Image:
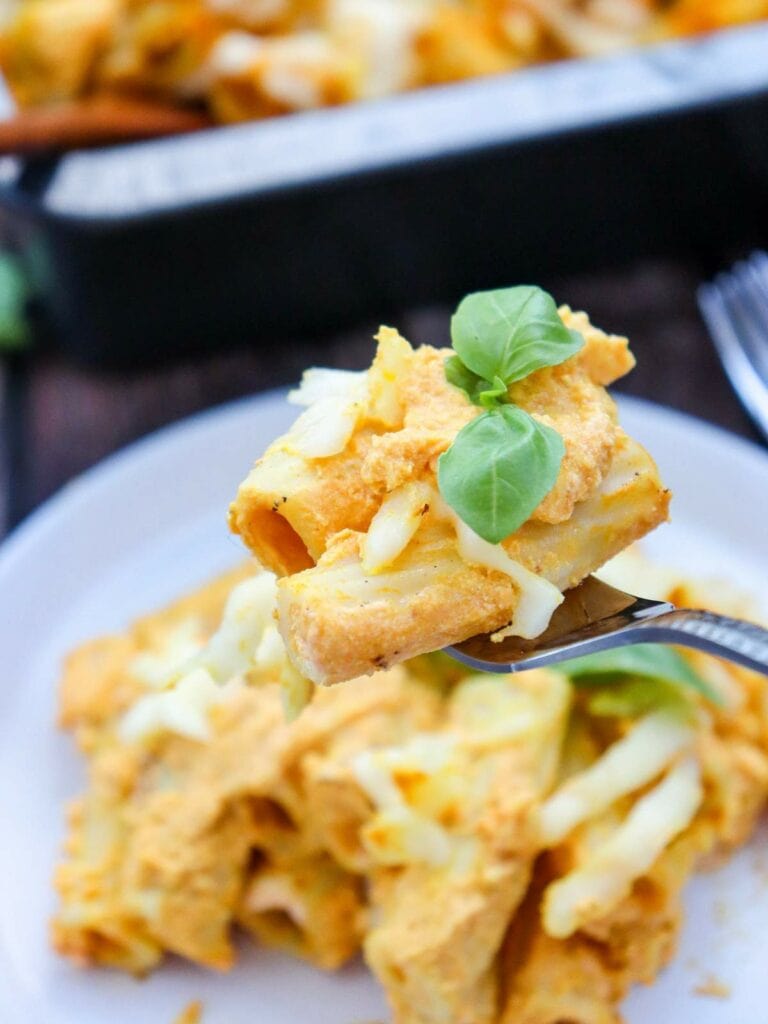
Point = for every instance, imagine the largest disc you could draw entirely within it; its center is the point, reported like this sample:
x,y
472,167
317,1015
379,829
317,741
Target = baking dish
x,y
316,220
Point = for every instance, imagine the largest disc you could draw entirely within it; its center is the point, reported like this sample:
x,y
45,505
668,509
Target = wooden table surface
x,y
59,419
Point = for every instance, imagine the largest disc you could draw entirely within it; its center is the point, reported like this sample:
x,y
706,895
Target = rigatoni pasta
x,y
349,508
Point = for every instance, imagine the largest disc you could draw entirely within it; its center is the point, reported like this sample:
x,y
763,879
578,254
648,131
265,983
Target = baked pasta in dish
x,y
244,59
503,849
371,508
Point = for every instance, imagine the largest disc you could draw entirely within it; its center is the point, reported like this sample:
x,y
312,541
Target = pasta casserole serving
x,y
502,849
448,492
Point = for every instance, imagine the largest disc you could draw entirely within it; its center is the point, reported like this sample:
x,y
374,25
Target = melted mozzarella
x,y
297,690
323,430
235,53
394,358
596,886
375,770
241,637
493,711
294,66
293,86
318,383
582,35
247,639
629,764
400,836
394,525
183,709
335,400
384,32
401,831
537,597
418,788
158,669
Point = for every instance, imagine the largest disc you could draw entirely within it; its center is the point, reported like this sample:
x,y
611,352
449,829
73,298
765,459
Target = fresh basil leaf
x,y
634,697
495,395
511,332
14,294
498,469
478,390
464,379
644,661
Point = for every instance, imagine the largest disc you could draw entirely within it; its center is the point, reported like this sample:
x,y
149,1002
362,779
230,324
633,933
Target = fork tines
x,y
735,309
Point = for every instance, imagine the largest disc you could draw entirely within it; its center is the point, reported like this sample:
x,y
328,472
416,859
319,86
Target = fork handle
x,y
742,642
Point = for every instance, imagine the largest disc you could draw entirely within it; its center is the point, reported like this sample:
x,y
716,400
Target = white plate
x,y
148,524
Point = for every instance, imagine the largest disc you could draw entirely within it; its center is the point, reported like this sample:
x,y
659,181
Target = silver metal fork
x,y
595,617
735,309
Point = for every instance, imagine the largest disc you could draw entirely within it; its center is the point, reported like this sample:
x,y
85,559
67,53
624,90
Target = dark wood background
x,y
58,419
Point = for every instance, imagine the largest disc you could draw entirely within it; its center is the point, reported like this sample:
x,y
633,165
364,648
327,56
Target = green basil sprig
x,y
499,468
652,663
503,463
511,332
14,296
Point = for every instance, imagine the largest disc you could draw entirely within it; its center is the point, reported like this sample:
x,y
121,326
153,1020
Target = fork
x,y
595,617
735,309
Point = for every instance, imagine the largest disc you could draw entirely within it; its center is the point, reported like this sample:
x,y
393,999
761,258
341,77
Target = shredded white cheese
x,y
631,762
393,526
391,531
595,887
335,400
294,86
318,383
392,363
247,639
537,597
401,831
159,668
383,32
235,53
492,711
240,639
419,787
400,836
183,709
297,690
375,769
323,430
581,34
294,67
